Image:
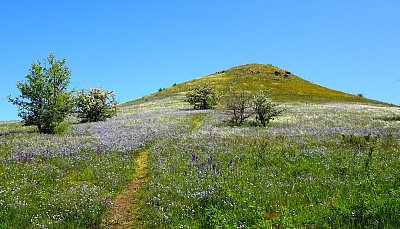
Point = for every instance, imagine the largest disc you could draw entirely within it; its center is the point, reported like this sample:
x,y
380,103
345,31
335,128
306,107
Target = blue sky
x,y
136,47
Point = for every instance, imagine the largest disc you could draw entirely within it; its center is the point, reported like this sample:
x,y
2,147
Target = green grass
x,y
61,192
15,127
196,120
281,85
208,182
390,119
223,177
66,180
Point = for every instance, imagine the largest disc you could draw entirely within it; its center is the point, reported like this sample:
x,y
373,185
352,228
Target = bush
x,y
95,104
44,101
62,128
238,105
242,105
201,97
264,109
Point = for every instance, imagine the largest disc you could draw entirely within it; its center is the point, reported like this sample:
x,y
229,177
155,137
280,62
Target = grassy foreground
x,y
274,182
71,180
281,177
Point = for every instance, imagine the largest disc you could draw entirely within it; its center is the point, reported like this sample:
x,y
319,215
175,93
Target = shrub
x,y
242,105
62,128
238,105
95,104
264,109
201,97
44,101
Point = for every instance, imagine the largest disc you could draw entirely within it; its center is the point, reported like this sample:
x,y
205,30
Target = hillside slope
x,y
282,85
161,164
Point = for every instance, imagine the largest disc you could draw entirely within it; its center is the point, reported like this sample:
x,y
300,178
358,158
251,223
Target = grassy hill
x,y
331,161
282,85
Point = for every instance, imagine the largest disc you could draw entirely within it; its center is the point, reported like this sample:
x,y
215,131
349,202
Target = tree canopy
x,y
201,97
44,100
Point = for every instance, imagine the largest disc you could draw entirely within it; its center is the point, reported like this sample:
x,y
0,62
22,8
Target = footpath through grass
x,y
70,180
120,215
197,120
223,177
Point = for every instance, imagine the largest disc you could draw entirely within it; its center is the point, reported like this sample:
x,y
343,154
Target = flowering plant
x,y
95,104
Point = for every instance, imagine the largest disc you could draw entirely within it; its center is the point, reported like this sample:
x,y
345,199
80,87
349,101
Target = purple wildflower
x,y
107,202
200,167
194,157
210,159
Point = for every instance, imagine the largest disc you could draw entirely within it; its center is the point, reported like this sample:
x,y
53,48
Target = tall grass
x,y
70,179
211,182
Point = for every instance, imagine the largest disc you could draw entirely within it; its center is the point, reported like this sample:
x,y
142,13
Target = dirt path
x,y
197,119
120,215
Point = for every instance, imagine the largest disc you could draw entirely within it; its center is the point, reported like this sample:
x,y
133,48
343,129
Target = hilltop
x,y
282,85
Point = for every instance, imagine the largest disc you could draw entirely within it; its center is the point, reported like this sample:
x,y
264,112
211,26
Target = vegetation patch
x,y
197,120
212,182
283,87
390,119
120,215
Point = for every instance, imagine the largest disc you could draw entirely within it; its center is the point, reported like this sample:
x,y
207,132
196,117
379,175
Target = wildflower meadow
x,y
319,165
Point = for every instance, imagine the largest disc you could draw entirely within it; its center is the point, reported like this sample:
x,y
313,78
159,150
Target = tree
x,y
95,104
264,109
243,105
44,100
201,97
238,106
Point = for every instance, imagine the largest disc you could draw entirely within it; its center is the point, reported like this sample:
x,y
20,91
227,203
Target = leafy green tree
x,y
201,97
44,101
264,109
95,104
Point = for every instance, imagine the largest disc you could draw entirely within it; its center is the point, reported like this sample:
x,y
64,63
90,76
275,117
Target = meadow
x,y
69,180
319,165
333,165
